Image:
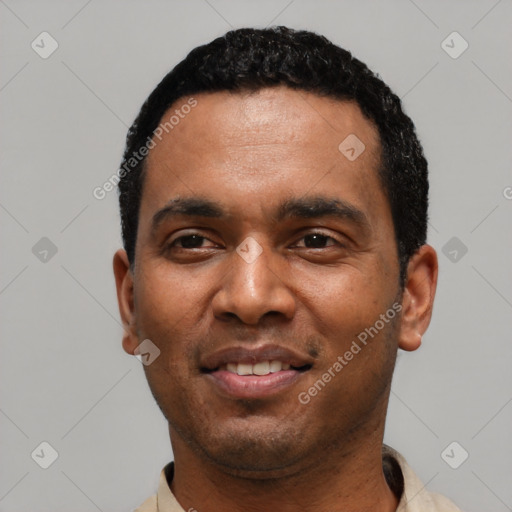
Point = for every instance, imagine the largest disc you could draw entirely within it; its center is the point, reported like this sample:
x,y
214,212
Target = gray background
x,y
66,380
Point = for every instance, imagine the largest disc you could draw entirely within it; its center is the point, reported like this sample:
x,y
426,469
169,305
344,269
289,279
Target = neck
x,y
348,478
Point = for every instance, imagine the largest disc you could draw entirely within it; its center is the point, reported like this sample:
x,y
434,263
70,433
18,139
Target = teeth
x,y
244,369
261,368
275,366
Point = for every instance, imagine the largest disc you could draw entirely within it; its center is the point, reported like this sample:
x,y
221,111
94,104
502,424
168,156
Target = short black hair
x,y
251,59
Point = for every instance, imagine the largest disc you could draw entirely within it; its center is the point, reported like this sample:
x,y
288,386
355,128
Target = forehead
x,y
272,116
265,143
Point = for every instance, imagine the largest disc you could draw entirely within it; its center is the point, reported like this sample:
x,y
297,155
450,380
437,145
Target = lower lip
x,y
253,386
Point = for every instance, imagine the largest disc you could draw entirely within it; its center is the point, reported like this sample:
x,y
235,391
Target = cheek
x,y
346,303
163,309
164,302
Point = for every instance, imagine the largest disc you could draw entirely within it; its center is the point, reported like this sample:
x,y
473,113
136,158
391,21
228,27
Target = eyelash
x,y
172,245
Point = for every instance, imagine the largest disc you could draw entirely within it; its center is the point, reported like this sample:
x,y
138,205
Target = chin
x,y
260,451
256,460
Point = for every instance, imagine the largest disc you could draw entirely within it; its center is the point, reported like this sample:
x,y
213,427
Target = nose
x,y
253,289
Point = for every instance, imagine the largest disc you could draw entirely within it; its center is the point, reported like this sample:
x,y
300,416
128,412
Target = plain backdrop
x,y
64,377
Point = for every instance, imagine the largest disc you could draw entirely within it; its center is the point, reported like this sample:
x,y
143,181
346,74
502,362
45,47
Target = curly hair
x,y
251,59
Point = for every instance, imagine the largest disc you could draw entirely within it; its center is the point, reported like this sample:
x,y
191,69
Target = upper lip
x,y
245,355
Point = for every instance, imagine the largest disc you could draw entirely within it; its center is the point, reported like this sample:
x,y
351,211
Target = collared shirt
x,y
401,478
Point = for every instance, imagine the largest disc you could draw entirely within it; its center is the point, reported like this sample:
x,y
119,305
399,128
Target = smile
x,y
245,374
262,368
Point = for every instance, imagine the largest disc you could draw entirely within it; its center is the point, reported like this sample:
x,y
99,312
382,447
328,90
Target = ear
x,y
418,297
124,286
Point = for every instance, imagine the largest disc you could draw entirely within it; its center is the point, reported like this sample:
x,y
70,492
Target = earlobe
x,y
418,297
124,286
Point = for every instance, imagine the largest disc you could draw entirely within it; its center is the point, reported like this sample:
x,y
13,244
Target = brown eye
x,y
188,242
318,241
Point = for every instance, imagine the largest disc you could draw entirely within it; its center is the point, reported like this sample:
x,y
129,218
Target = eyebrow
x,y
190,207
321,206
300,208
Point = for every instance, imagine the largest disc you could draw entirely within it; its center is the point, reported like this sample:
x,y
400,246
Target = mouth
x,y
261,368
258,373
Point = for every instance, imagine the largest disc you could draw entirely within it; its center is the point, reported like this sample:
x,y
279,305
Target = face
x,y
263,254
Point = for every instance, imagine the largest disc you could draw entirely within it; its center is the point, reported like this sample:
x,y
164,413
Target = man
x,y
274,205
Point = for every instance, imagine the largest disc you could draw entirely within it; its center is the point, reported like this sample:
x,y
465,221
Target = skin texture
x,y
251,152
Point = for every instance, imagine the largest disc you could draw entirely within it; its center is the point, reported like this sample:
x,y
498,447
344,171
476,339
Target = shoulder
x,y
164,500
415,497
150,505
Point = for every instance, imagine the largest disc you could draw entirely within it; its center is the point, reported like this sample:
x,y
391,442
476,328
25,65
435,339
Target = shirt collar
x,y
414,497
